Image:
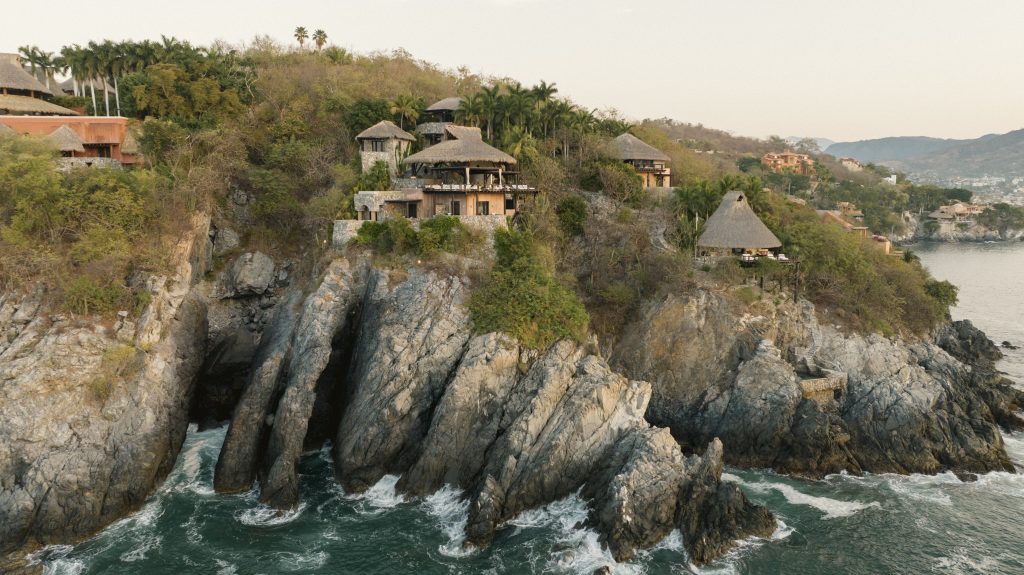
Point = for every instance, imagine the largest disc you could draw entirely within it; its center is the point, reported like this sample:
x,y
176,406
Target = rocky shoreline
x,y
384,364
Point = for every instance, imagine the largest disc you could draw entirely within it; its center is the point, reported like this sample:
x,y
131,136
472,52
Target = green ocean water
x,y
840,525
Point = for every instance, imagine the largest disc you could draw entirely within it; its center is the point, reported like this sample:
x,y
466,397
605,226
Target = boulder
x,y
251,274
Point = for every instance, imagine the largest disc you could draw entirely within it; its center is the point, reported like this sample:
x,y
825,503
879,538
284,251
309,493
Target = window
x,y
456,208
376,145
483,208
510,204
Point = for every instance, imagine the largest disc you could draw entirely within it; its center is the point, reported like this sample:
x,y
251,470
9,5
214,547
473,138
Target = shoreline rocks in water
x,y
90,425
923,407
385,365
421,397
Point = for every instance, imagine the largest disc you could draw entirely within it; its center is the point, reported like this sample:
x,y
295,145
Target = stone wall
x,y
344,231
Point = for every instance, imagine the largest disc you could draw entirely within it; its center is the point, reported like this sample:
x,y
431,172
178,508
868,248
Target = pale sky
x,y
843,70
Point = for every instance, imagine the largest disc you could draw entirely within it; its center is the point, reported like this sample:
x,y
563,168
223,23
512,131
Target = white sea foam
x,y
302,562
266,516
64,567
450,510
672,542
782,530
832,508
961,562
579,550
928,488
379,498
1014,444
226,568
144,545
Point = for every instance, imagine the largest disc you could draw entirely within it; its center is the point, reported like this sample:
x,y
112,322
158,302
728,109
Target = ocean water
x,y
840,525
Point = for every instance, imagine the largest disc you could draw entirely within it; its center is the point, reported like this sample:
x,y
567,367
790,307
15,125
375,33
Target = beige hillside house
x,y
384,142
734,228
461,176
649,162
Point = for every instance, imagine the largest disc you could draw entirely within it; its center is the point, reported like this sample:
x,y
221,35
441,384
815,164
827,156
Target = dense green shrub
x,y
572,215
396,236
442,234
85,295
523,298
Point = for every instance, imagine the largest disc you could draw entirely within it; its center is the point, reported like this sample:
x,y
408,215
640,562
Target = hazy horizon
x,y
792,68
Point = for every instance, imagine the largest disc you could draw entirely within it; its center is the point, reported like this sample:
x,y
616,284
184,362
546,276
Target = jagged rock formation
x,y
89,425
752,380
419,396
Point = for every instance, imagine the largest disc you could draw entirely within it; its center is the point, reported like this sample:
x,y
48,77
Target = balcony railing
x,y
462,188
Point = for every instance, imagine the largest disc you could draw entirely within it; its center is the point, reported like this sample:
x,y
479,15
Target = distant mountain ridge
x,y
943,161
891,149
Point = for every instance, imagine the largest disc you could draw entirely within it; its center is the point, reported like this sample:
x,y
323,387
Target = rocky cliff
x,y
92,414
414,392
785,392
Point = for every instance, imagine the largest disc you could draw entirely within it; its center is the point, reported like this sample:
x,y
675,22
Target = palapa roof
x,y
14,77
15,105
385,130
464,132
629,147
466,146
735,225
446,105
66,140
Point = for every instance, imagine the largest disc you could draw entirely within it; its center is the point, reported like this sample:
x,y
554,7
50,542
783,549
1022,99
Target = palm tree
x,y
405,107
47,65
102,59
319,38
301,35
116,63
542,94
72,59
490,98
31,55
90,66
470,110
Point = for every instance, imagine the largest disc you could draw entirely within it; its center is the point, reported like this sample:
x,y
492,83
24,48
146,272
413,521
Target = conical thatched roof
x,y
629,147
463,149
446,105
19,105
14,77
735,225
66,140
385,130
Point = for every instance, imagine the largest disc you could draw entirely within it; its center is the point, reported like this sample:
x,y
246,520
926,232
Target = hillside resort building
x,y
460,175
788,162
25,109
649,162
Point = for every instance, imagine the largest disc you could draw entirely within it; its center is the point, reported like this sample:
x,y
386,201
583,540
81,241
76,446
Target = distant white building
x,y
890,180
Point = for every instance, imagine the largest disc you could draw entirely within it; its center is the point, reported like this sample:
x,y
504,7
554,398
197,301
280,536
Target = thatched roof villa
x,y
649,162
22,93
461,176
734,227
383,142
